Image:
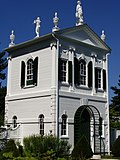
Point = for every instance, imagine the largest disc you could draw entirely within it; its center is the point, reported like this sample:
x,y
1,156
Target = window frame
x,y
30,69
99,78
64,125
82,73
14,119
64,71
41,124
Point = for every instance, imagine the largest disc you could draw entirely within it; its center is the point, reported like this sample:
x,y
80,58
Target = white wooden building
x,y
58,84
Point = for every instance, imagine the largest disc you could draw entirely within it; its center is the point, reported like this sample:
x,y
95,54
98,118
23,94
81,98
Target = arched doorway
x,y
82,124
87,122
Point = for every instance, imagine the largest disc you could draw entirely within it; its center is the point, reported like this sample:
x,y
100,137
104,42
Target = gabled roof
x,y
81,34
84,34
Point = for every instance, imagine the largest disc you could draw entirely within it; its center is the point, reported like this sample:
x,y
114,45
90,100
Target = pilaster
x,y
71,58
93,70
9,76
53,88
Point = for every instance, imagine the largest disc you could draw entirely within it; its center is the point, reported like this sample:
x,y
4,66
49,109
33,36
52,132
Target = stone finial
x,y
55,21
79,13
37,28
12,38
103,36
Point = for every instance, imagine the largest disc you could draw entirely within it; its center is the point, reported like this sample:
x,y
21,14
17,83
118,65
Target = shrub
x,y
116,147
10,150
45,146
82,149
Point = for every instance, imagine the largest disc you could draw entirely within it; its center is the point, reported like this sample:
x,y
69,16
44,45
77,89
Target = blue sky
x,y
18,15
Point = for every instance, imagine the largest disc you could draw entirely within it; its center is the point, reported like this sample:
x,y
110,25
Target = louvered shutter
x,y
70,72
90,74
35,71
104,79
96,78
76,71
22,74
59,70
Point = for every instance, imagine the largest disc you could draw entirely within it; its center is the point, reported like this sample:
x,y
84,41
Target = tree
x,y
3,65
116,147
2,104
82,149
115,107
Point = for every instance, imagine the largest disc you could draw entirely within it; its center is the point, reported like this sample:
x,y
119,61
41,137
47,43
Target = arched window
x,y
82,64
29,72
14,121
29,77
41,122
64,125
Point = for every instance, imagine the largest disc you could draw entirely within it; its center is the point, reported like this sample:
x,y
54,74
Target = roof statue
x,y
103,36
12,38
79,13
55,21
37,28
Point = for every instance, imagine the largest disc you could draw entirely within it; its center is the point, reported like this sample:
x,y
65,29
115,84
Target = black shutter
x,y
76,71
59,70
90,74
70,72
104,79
22,74
35,71
96,78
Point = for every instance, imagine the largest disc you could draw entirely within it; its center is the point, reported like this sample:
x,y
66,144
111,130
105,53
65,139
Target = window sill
x,y
83,87
29,86
65,83
100,90
64,137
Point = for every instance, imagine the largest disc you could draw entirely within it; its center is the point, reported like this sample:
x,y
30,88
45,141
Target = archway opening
x,y
81,124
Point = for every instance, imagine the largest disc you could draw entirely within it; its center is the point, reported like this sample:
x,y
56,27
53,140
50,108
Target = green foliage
x,y
115,107
46,146
2,104
9,151
3,65
116,147
82,149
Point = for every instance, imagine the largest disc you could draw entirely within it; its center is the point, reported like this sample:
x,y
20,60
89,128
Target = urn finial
x,y
79,13
12,38
55,21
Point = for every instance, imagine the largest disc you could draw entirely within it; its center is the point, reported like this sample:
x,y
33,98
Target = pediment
x,y
85,35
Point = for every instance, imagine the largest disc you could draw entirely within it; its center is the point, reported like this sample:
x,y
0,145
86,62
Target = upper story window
x,y
82,77
41,122
64,125
29,72
63,71
98,78
14,121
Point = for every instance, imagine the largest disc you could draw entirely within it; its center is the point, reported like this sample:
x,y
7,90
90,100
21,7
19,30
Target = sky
x,y
19,15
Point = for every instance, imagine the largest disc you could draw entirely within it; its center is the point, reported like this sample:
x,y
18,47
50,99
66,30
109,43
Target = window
x,y
63,71
29,71
82,72
98,78
101,127
29,76
14,121
41,122
64,125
